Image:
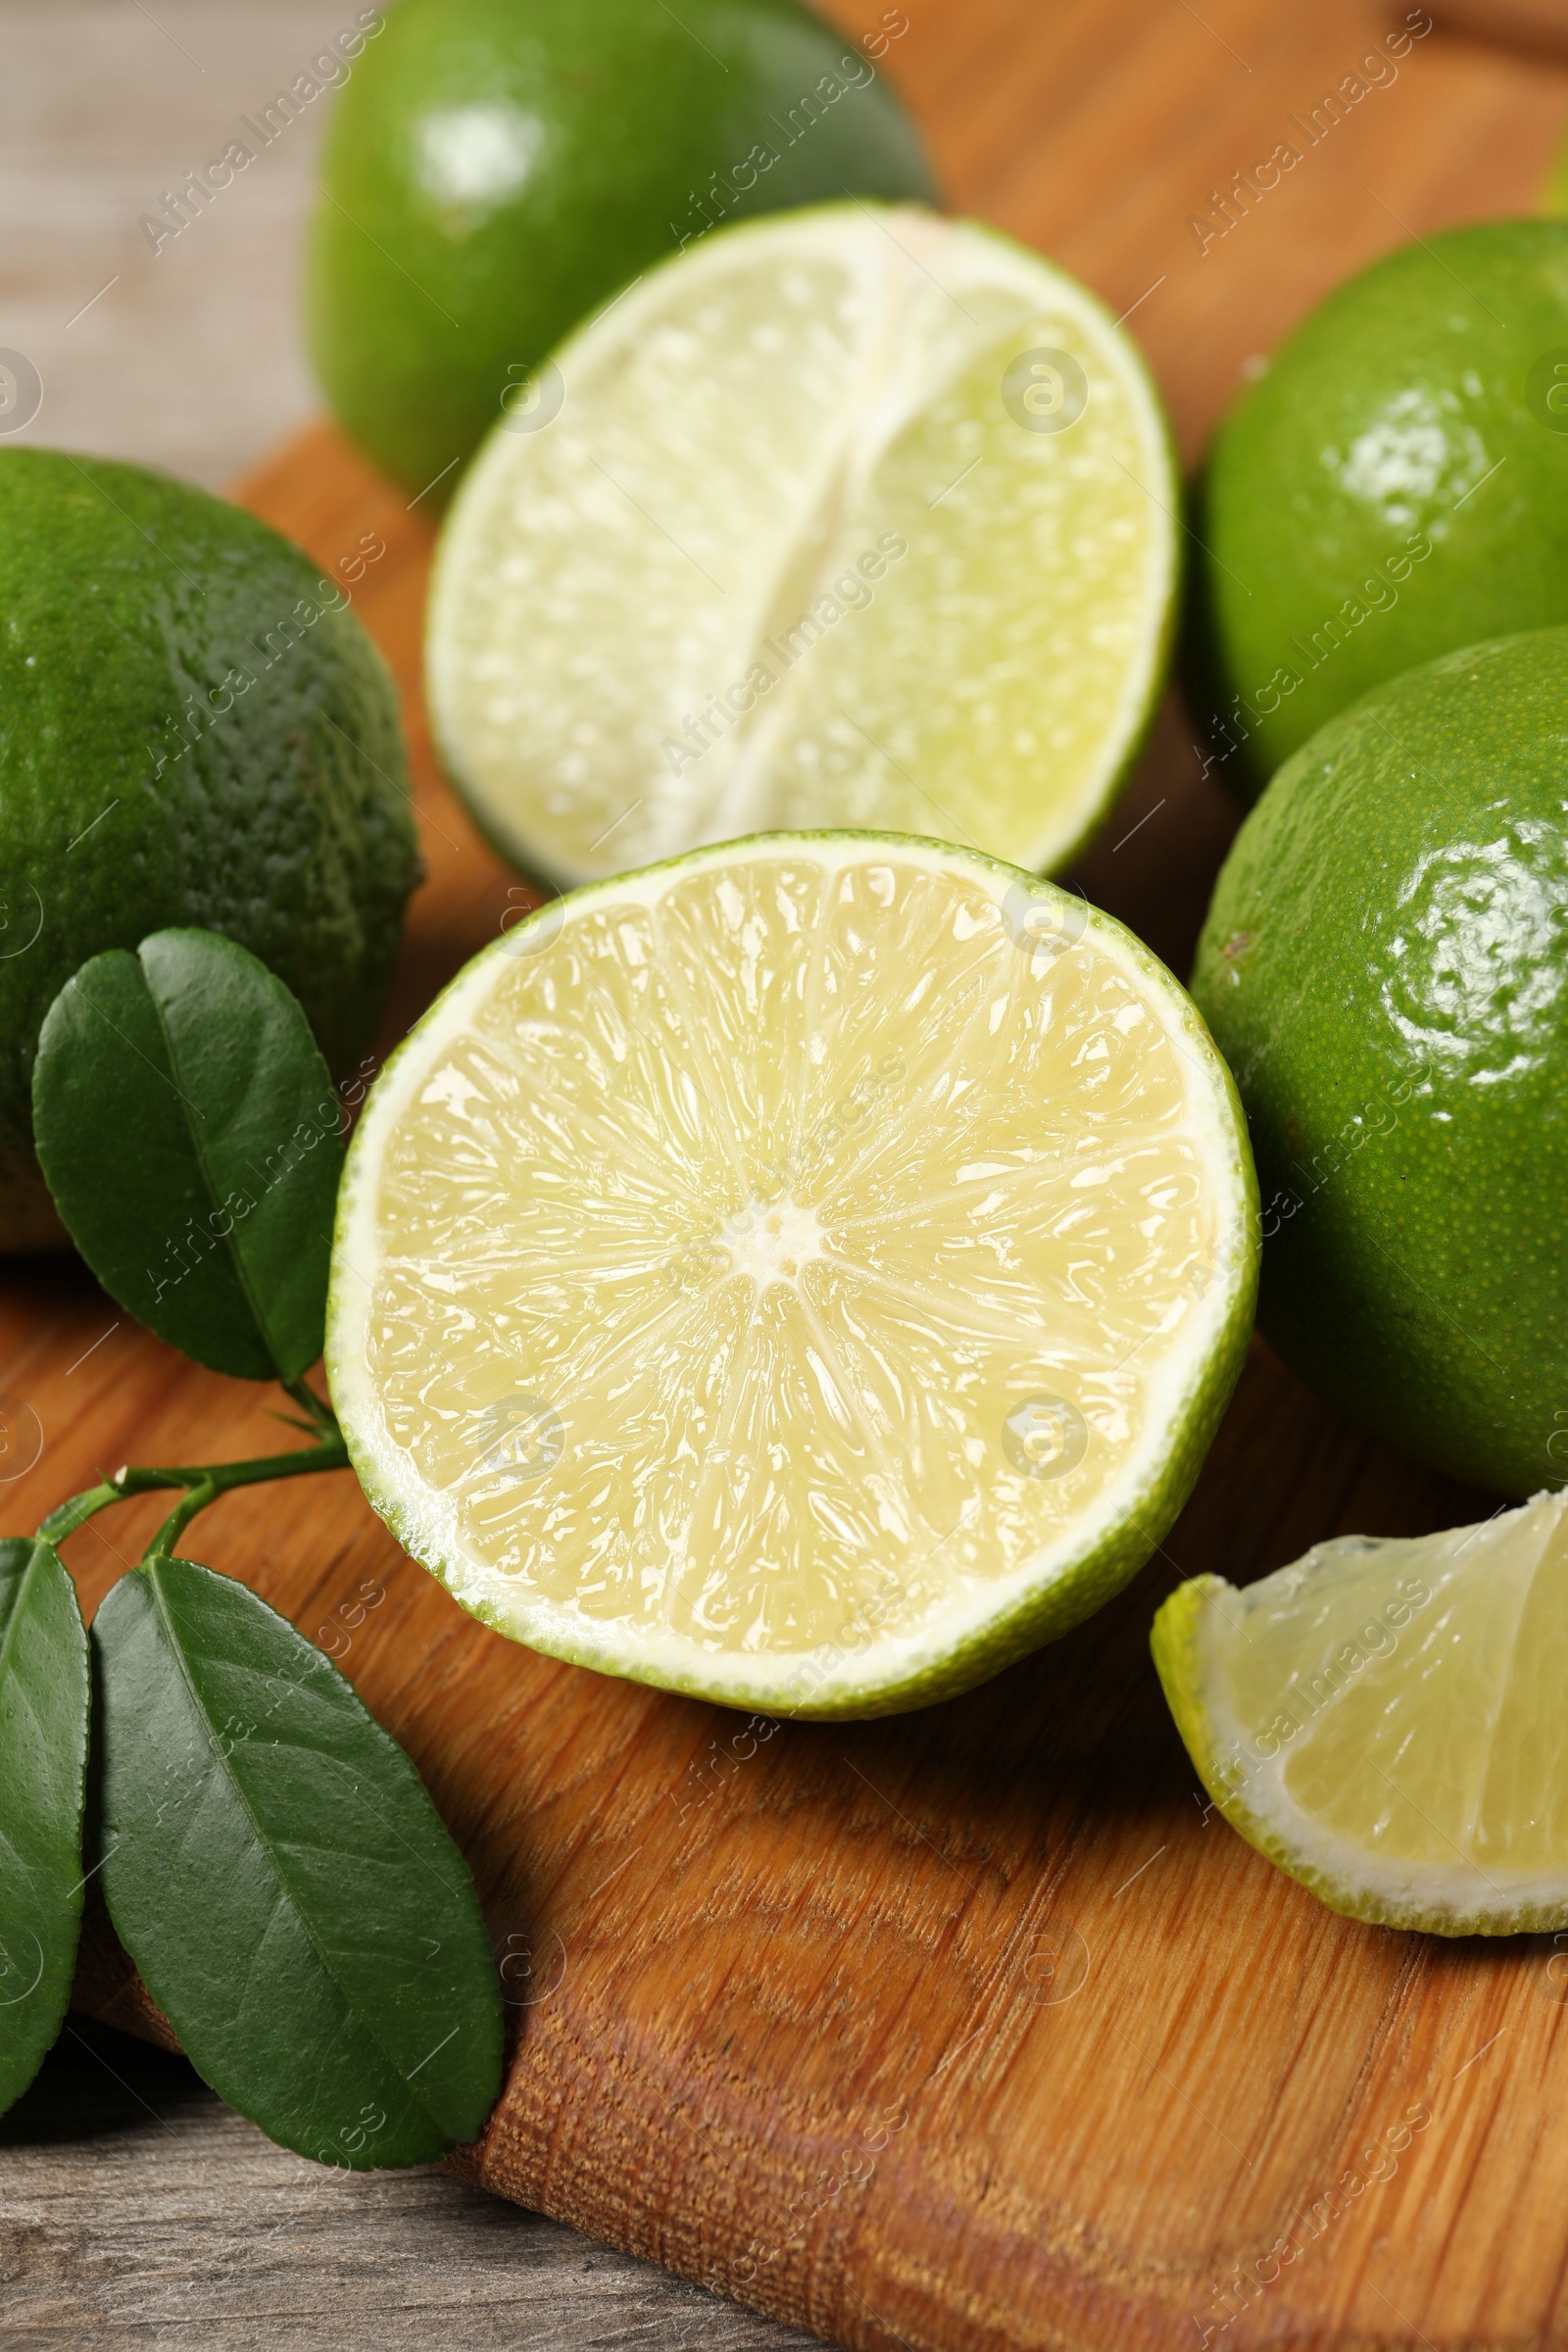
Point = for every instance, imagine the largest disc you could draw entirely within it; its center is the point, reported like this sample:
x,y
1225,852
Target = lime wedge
x,y
849,517
1383,1720
807,1274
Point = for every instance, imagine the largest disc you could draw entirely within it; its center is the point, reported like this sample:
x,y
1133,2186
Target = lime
x,y
1382,966
497,169
1383,1720
1393,487
1555,192
196,731
856,516
807,1274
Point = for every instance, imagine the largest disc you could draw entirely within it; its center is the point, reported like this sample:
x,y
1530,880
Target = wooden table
x,y
137,2213
1102,133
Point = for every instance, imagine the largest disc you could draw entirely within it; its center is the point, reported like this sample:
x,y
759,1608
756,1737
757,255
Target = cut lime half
x,y
847,516
1383,1720
807,1274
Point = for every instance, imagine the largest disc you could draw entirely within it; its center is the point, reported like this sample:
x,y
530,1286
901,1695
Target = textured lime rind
x,y
1383,968
495,172
1392,485
855,1689
197,732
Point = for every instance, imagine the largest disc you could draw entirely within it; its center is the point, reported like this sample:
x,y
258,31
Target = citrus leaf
x,y
278,1874
189,1132
43,1767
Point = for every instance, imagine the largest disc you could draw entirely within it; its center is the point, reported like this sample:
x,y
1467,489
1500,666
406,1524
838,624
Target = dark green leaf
x,y
283,1882
189,1133
43,1766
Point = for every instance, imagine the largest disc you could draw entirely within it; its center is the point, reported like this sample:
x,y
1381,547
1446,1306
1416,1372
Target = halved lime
x,y
1383,1720
807,1274
847,517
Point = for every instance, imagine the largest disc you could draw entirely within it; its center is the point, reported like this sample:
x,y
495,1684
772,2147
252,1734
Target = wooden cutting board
x,y
974,2029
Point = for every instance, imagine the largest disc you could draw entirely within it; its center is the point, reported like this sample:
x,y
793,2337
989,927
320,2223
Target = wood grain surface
x,y
976,2029
139,2214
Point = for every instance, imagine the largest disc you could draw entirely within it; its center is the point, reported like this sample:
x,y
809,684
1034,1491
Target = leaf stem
x,y
204,1483
180,1517
320,1412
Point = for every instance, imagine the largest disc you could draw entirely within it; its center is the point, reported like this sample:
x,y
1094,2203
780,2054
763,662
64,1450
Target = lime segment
x,y
1384,1721
853,516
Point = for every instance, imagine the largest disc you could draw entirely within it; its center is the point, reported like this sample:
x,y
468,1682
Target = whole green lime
x,y
497,169
1385,967
194,729
1394,485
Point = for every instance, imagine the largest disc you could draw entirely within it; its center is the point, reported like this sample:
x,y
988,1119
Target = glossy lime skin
x,y
144,783
1385,967
1349,525
495,169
